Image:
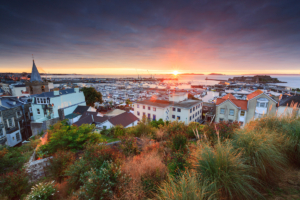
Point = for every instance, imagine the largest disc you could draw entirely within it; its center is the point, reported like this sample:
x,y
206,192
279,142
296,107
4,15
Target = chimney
x,y
56,91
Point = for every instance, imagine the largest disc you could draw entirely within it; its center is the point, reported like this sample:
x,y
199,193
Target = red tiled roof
x,y
239,103
228,96
254,94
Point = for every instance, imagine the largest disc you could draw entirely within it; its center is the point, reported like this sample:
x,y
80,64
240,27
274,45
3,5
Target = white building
x,y
50,107
17,89
179,107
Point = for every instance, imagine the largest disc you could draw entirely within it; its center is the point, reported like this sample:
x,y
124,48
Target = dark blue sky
x,y
161,36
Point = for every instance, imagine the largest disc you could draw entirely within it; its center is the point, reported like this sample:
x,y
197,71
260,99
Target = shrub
x,y
156,124
42,191
192,127
147,171
178,163
14,184
117,131
59,163
142,128
101,183
185,187
174,128
74,172
129,146
179,142
261,151
64,137
225,172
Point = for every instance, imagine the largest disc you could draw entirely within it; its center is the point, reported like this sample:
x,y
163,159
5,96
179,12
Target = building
x,y
36,85
288,105
126,119
13,121
208,112
17,89
179,107
50,107
257,104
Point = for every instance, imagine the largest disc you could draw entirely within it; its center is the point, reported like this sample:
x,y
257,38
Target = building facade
x,y
179,107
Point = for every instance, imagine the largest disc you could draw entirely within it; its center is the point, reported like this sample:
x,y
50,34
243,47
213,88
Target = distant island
x,y
215,74
190,74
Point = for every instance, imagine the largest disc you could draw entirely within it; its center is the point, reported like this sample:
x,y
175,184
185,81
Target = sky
x,y
130,37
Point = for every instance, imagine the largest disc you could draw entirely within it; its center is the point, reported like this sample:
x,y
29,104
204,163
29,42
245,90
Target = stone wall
x,y
36,128
36,87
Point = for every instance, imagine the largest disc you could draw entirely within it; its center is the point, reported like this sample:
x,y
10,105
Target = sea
x,y
292,80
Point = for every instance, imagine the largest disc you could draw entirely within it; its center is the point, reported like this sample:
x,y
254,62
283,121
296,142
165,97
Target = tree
x,y
91,96
127,102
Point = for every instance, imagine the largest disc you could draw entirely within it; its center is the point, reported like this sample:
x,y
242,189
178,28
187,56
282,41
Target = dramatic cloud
x,y
208,36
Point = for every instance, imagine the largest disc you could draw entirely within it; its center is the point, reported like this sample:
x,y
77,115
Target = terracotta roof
x,y
228,96
239,103
254,94
123,119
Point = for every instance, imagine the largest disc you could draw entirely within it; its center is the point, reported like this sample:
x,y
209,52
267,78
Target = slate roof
x,y
7,102
35,75
290,101
87,118
124,119
61,92
81,109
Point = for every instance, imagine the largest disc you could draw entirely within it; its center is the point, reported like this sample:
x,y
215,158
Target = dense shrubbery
x,y
42,191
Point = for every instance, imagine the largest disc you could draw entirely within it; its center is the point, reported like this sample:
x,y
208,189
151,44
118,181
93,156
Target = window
x,y
190,118
242,113
154,117
19,114
38,111
262,105
144,107
154,109
138,105
10,122
222,111
138,113
196,114
38,100
174,109
149,116
1,132
193,116
18,136
230,121
221,119
173,116
193,108
178,117
231,112
178,109
149,108
190,110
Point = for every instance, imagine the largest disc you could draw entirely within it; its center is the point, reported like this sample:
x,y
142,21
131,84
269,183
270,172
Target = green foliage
x,y
225,172
179,142
91,96
74,172
117,131
142,128
156,124
14,184
102,182
129,146
64,137
42,191
261,151
174,128
193,126
59,163
185,187
151,182
178,163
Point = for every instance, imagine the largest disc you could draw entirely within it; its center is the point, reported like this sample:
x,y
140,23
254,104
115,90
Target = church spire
x,y
35,75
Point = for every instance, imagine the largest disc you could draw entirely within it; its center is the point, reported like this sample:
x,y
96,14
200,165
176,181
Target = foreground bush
x,y
179,142
178,163
225,172
185,187
103,182
129,146
261,151
142,128
59,163
42,191
14,184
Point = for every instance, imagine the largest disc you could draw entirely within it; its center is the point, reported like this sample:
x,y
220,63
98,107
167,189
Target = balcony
x,y
11,129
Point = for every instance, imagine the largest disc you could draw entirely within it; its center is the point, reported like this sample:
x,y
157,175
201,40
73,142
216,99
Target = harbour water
x,y
292,80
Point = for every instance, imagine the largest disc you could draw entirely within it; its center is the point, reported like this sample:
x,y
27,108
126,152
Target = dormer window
x,y
262,103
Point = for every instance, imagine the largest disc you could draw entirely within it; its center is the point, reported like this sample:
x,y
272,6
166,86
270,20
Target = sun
x,y
175,73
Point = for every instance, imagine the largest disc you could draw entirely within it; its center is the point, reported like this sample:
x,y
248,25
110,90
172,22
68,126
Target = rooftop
x,y
162,103
290,101
61,92
35,75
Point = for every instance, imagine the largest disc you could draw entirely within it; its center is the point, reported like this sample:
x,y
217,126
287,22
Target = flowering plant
x,y
42,191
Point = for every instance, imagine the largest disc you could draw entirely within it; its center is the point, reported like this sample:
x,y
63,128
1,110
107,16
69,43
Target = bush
x,y
156,124
75,171
42,191
101,183
174,128
261,151
185,187
64,137
142,128
225,172
59,163
179,142
129,146
14,184
119,131
193,126
178,163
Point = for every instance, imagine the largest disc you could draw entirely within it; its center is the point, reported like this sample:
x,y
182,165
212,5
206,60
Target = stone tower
x,y
36,85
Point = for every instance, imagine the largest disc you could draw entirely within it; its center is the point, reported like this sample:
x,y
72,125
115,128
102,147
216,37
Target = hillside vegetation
x,y
163,160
